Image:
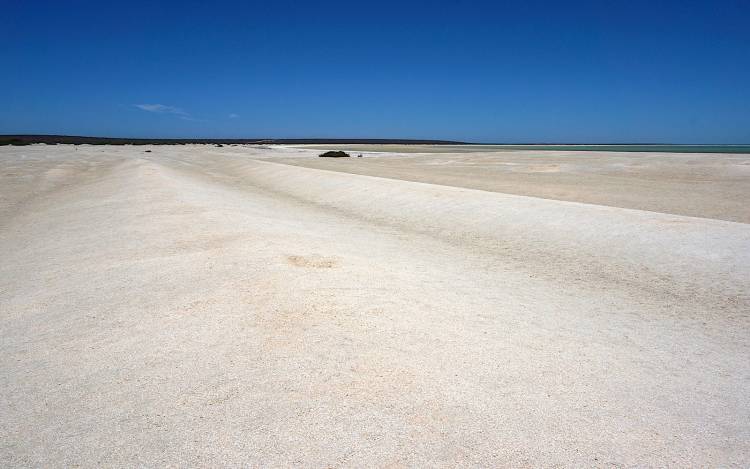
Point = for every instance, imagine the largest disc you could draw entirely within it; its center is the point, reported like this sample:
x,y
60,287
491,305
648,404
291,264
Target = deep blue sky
x,y
524,71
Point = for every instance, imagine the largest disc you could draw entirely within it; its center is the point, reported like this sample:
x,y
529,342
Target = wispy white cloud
x,y
233,116
161,109
191,119
164,109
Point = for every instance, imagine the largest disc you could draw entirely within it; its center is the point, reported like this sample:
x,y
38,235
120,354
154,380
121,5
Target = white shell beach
x,y
260,306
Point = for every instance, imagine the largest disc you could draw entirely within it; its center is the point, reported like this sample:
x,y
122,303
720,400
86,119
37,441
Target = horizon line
x,y
57,138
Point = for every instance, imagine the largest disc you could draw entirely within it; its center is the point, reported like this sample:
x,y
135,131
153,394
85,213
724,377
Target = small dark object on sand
x,y
146,151
359,156
334,154
219,145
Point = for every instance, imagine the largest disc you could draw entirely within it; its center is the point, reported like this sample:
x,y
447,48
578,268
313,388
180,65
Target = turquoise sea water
x,y
469,148
647,148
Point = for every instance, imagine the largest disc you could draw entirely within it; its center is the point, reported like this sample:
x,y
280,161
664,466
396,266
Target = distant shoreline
x,y
20,140
78,140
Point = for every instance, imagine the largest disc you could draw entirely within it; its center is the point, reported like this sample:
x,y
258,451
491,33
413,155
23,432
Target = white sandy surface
x,y
203,306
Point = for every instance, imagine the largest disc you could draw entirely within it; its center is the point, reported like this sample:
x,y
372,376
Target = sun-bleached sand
x,y
693,184
258,306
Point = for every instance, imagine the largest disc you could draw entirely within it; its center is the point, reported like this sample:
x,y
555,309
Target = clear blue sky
x,y
524,71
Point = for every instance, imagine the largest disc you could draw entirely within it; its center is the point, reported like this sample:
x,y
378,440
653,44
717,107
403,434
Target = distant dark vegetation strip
x,y
75,140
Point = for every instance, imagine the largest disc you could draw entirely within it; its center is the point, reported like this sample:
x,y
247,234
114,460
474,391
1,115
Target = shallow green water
x,y
646,148
401,148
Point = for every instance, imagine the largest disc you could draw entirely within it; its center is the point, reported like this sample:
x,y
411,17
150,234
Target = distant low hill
x,y
78,140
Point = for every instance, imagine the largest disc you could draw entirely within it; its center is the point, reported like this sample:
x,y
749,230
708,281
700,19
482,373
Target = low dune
x,y
251,306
